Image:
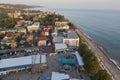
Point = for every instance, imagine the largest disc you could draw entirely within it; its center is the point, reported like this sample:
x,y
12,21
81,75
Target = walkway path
x,y
104,60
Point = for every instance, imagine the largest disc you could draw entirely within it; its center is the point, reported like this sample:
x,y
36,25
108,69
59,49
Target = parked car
x,y
81,77
65,68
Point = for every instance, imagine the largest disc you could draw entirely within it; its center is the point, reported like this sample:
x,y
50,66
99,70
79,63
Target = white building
x,y
33,27
72,39
66,27
22,30
79,58
61,23
21,63
59,76
55,33
60,47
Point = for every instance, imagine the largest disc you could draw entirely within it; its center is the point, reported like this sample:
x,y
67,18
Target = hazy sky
x,y
82,4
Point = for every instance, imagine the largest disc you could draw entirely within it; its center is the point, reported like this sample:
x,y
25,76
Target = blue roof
x,y
75,51
45,78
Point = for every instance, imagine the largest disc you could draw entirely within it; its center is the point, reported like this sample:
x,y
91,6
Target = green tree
x,y
102,75
91,63
90,60
83,49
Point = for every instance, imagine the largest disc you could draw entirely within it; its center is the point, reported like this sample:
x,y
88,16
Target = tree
x,y
90,60
102,75
83,49
91,63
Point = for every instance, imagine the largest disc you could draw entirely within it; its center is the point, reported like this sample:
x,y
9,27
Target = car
x,y
81,77
65,68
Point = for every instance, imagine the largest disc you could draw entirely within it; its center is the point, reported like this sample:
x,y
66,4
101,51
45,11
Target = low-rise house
x,y
66,27
22,42
55,33
9,42
72,39
22,30
3,30
42,41
46,32
49,27
61,23
42,33
29,38
20,23
29,22
15,14
33,27
35,18
14,45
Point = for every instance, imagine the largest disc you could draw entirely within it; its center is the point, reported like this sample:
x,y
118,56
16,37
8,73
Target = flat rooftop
x,y
72,35
57,39
60,46
59,76
22,61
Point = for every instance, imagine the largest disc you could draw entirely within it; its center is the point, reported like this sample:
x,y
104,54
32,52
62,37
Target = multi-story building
x,y
72,39
33,27
61,23
42,41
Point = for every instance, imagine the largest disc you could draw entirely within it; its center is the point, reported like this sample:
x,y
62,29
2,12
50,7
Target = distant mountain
x,y
17,6
25,6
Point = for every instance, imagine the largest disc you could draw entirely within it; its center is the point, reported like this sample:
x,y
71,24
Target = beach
x,y
105,62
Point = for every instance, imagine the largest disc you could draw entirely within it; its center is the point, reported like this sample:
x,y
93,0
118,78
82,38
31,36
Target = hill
x,y
16,6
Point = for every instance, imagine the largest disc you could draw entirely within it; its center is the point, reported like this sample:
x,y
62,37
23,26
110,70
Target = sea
x,y
102,26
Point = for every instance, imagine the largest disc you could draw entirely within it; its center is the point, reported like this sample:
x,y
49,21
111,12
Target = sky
x,y
79,4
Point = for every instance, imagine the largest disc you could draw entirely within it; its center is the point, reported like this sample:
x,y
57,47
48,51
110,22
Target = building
x,y
72,39
59,76
20,63
33,27
15,14
61,23
66,27
7,41
35,18
57,39
60,47
22,30
42,41
14,45
29,38
46,32
3,30
20,23
79,58
55,33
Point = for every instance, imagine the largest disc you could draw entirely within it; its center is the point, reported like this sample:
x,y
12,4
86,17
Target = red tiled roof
x,y
49,26
42,38
42,33
46,30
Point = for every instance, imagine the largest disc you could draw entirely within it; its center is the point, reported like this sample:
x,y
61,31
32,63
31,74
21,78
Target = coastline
x,y
105,61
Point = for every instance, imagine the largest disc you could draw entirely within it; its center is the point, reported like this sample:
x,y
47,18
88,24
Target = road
x,y
17,49
103,59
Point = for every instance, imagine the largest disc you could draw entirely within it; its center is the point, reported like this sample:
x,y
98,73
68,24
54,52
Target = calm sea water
x,y
103,26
